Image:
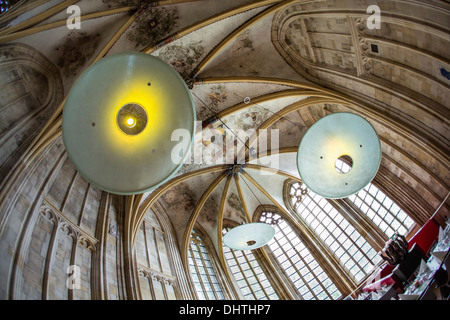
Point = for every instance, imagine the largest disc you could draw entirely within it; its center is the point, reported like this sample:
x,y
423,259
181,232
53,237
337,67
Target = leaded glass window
x,y
387,215
297,261
202,271
382,210
248,274
350,247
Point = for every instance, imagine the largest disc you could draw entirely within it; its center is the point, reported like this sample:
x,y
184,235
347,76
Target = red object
x,y
425,238
387,281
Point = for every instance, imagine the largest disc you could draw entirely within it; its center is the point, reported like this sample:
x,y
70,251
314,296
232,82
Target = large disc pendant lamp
x,y
249,236
339,136
118,122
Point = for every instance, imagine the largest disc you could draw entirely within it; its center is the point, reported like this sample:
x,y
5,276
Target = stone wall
x,y
395,75
155,274
54,226
62,238
30,91
49,234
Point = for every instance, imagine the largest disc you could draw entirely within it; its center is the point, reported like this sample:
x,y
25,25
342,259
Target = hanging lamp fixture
x,y
118,121
248,236
344,137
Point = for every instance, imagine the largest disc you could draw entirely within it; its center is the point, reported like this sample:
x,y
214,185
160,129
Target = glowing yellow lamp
x,y
340,136
131,122
118,122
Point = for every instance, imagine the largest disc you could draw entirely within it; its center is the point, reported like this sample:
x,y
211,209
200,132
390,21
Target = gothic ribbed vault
x,y
250,65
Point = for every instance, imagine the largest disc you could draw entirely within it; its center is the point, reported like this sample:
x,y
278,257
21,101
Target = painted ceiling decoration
x,y
271,69
288,101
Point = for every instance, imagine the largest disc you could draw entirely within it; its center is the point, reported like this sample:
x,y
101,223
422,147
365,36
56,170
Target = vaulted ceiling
x,y
270,65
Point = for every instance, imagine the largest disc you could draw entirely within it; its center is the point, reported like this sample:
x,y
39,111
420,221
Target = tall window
x,y
379,207
249,276
301,267
382,210
353,251
202,271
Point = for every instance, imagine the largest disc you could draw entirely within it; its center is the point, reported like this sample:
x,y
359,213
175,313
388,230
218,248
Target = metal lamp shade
x,y
109,157
249,236
328,139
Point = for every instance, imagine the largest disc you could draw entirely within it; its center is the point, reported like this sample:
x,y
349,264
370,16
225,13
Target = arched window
x,y
304,271
353,251
249,276
202,271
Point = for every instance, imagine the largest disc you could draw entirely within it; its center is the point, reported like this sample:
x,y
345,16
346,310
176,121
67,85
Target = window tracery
x,y
376,205
342,236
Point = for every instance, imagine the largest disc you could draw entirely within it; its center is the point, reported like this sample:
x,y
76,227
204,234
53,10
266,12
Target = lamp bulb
x,y
130,122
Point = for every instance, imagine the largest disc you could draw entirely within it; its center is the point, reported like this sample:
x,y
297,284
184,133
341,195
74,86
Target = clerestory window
x,y
378,207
